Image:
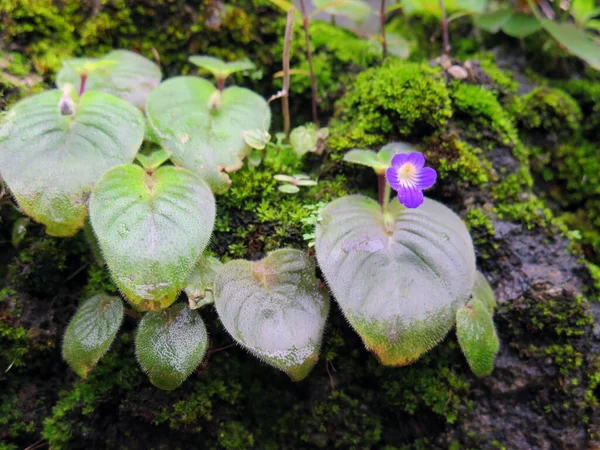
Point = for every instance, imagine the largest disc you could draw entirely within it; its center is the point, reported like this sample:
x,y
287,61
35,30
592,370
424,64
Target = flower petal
x,y
411,197
416,159
391,175
399,159
425,178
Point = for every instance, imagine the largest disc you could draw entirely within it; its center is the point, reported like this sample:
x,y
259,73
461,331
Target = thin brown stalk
x,y
445,36
285,103
313,79
382,19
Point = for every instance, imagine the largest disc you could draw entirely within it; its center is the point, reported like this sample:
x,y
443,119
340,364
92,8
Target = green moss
x,y
233,436
548,109
481,227
484,112
12,422
385,103
112,373
14,344
503,81
457,161
559,316
587,94
577,168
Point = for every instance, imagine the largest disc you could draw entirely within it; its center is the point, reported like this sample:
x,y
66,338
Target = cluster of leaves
x,y
146,183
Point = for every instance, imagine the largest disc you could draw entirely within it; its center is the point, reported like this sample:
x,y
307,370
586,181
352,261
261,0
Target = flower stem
x,y
82,84
384,192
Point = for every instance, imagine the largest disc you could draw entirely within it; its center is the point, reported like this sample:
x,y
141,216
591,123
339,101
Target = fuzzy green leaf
x,y
91,332
398,279
575,40
289,189
170,344
51,161
397,45
220,68
275,308
154,160
477,337
121,73
152,228
303,139
199,288
483,292
202,128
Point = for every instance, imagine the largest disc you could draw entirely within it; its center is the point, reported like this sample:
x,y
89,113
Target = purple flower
x,y
408,176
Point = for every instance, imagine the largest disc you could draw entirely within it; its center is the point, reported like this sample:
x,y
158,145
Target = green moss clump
x,y
14,344
457,161
395,100
504,82
577,168
558,315
484,112
587,94
548,109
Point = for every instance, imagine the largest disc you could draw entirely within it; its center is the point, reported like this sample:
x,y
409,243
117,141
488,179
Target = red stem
x,y
445,36
220,83
381,189
82,85
313,80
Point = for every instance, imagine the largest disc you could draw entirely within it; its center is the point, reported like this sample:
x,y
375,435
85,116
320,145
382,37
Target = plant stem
x,y
313,80
382,19
445,36
384,191
220,83
286,73
82,85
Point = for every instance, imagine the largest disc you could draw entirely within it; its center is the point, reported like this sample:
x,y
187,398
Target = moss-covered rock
x,y
394,101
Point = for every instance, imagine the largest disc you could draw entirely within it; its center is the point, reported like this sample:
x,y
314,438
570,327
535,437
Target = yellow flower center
x,y
407,172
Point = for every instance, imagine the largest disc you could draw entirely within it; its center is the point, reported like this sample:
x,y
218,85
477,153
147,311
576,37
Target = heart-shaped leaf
x,y
483,292
275,308
575,40
154,159
521,25
494,20
204,129
477,337
51,161
356,10
122,73
398,279
152,228
199,288
91,332
170,344
219,68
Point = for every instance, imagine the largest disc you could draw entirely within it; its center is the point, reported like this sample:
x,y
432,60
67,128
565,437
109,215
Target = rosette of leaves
x,y
399,278
221,69
275,308
152,227
203,128
122,73
291,183
55,146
